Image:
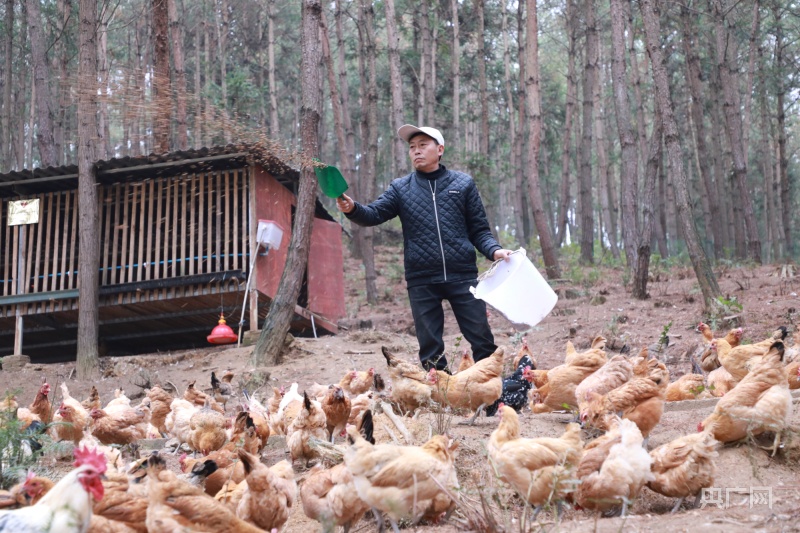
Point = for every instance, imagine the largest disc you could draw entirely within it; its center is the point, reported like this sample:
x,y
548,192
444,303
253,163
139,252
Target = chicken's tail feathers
x,y
248,460
377,382
778,347
366,428
214,381
306,401
390,360
205,469
783,332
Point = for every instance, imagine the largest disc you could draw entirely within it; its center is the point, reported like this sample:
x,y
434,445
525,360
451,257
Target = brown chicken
x,y
93,401
355,383
261,417
124,427
71,418
231,493
269,495
522,352
198,398
120,507
26,493
792,371
222,390
337,410
275,401
160,401
310,422
175,505
359,405
684,467
709,360
330,497
738,360
617,371
640,400
410,388
403,481
207,429
687,387
41,409
540,470
466,361
229,468
475,388
621,475
760,402
559,390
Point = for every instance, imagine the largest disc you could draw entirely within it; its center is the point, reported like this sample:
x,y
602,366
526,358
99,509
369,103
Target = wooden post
x,y
20,290
251,209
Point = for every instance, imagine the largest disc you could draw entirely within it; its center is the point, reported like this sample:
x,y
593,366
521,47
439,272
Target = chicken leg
x,y
471,421
677,506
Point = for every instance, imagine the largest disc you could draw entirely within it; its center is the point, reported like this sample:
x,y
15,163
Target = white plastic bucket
x,y
516,290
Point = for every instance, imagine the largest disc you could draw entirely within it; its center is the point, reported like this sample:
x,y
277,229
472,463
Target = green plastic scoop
x,y
330,181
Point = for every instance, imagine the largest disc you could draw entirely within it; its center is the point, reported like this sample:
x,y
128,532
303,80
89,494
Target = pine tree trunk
x,y
6,140
400,159
751,70
273,88
630,159
163,107
455,65
267,350
484,169
589,80
104,150
733,126
430,99
369,131
424,61
223,23
176,32
506,198
197,132
694,83
564,200
534,120
635,81
605,184
780,111
702,268
88,215
645,237
41,80
64,9
520,203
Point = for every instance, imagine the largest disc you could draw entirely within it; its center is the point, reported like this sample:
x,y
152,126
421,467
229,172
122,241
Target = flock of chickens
x,y
375,466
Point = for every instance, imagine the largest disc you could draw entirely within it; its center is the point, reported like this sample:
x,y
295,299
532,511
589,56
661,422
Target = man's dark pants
x,y
470,313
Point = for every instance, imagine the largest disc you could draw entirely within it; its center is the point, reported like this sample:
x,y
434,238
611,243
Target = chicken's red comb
x,y
91,457
30,476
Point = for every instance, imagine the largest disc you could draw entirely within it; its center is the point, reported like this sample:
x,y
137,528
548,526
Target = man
x,y
443,223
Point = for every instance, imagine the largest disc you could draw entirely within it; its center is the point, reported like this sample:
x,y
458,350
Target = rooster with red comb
x,y
67,507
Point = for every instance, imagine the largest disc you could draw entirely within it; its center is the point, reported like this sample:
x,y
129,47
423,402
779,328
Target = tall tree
x,y
88,214
627,139
400,158
161,125
534,120
645,237
733,125
369,134
702,267
178,69
8,75
273,88
780,111
41,82
267,350
455,66
520,203
483,96
589,79
564,200
694,83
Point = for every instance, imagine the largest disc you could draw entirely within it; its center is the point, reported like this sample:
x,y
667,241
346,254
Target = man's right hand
x,y
345,204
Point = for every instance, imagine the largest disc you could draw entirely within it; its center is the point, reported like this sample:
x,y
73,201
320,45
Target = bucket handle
x,y
490,272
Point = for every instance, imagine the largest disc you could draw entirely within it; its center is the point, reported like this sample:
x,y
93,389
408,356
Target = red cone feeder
x,y
222,333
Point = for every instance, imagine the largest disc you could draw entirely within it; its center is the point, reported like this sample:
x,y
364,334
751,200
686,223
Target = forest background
x,y
622,127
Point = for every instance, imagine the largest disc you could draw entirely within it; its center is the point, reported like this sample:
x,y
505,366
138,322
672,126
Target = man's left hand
x,y
502,254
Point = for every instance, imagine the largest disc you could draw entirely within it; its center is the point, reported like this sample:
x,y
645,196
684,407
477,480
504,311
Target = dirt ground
x,y
593,301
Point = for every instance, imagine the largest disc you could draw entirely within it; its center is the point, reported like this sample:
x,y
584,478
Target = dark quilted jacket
x,y
439,240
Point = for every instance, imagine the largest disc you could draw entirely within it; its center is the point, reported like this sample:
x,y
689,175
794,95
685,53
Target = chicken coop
x,y
177,238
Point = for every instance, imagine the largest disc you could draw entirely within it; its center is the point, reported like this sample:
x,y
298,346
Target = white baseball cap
x,y
407,131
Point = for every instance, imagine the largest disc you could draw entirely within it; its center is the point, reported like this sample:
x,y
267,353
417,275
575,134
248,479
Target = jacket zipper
x,y
438,229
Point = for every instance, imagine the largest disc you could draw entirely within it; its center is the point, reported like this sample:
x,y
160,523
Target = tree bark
x,y
733,125
267,350
176,32
400,157
520,204
8,78
41,81
222,27
780,108
702,268
694,83
104,150
455,66
63,55
566,140
605,184
645,237
369,132
424,61
506,198
197,133
88,214
630,160
751,69
163,107
534,120
589,79
273,88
